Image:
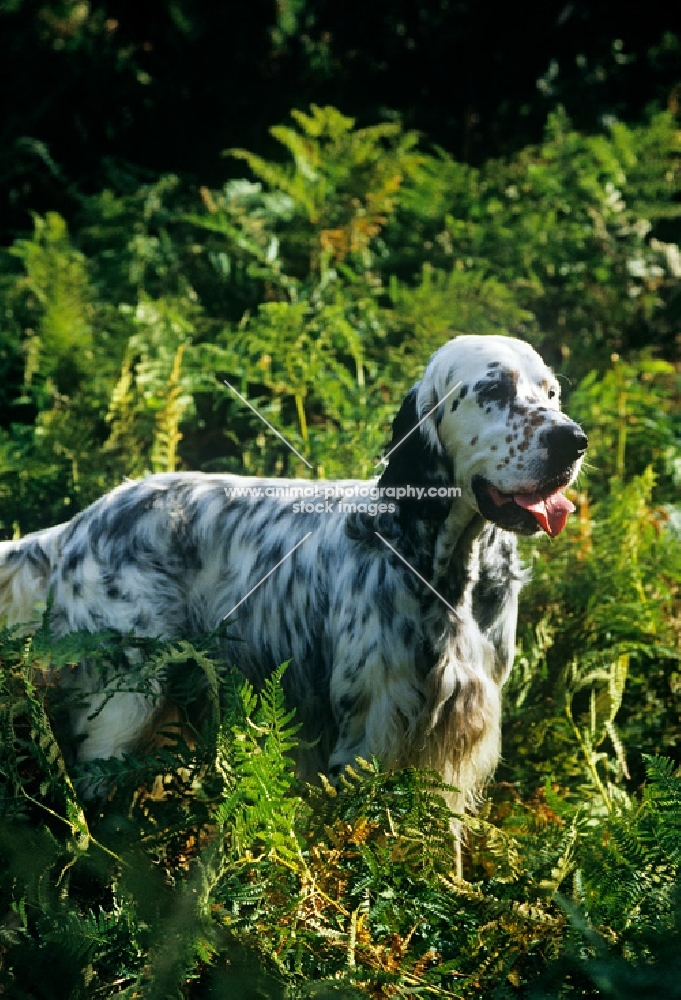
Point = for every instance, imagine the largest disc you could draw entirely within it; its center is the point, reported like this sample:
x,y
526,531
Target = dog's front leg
x,y
378,703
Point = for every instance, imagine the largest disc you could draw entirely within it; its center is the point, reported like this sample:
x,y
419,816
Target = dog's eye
x,y
552,393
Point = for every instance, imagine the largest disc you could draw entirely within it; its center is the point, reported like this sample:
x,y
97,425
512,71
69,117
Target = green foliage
x,y
318,291
57,287
219,868
632,412
606,642
567,227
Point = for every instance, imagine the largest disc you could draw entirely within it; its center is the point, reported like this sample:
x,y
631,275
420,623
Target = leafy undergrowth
x,y
319,286
210,873
207,871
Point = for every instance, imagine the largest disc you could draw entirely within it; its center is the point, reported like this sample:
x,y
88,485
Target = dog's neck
x,y
437,542
432,533
432,527
455,541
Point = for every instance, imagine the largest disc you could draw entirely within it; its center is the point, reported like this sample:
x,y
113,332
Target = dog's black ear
x,y
414,460
413,463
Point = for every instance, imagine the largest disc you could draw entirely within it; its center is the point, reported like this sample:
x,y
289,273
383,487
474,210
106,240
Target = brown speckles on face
x,y
514,404
537,418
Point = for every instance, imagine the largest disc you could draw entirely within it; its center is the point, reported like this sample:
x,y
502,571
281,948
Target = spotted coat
x,y
399,658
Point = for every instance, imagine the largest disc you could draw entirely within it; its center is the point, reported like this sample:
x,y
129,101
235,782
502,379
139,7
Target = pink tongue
x,y
551,512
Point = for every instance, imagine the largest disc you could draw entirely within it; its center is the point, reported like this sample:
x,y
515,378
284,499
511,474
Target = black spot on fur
x,y
387,610
407,630
493,585
347,704
360,578
498,388
72,561
119,520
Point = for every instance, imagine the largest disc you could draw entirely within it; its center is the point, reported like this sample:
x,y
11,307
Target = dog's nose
x,y
565,444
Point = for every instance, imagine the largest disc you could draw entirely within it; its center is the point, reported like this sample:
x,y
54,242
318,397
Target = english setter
x,y
396,603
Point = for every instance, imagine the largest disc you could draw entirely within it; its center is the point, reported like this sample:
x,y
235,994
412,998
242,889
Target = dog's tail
x,y
25,569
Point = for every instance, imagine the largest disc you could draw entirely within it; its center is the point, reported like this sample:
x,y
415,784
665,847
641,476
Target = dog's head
x,y
494,427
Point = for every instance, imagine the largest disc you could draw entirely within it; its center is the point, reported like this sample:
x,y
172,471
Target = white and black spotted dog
x,y
399,620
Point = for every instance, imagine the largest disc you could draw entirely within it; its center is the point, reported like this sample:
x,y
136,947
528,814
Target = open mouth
x,y
547,508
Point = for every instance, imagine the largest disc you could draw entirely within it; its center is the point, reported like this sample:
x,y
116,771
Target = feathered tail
x,y
25,570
